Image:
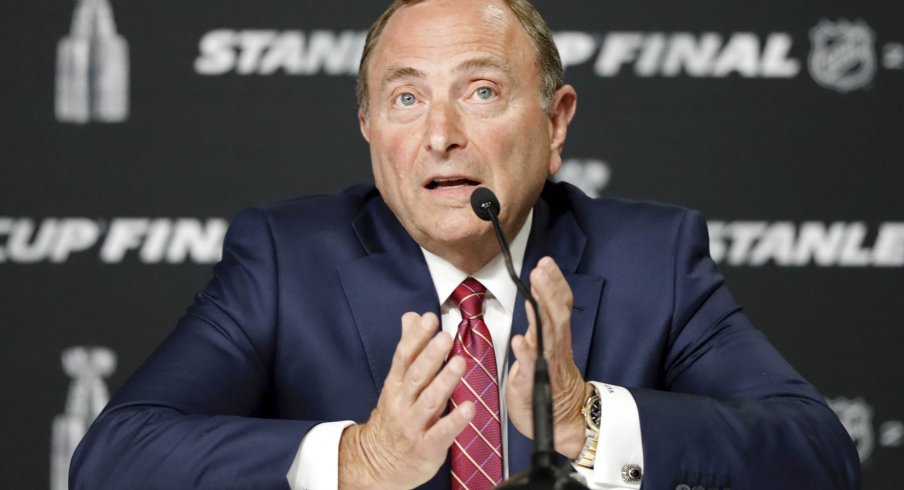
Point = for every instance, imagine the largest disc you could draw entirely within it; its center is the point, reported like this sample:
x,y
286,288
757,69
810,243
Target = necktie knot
x,y
469,298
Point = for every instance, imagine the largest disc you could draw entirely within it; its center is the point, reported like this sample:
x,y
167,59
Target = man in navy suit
x,y
290,369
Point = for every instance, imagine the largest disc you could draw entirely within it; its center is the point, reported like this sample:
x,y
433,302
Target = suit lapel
x,y
390,280
556,233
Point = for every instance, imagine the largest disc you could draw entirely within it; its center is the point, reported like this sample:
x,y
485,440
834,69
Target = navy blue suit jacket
x,y
300,320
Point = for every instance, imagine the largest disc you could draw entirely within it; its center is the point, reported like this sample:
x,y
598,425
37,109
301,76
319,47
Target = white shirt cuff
x,y
316,465
619,443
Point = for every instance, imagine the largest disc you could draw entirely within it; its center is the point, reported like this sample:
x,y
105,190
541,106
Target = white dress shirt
x,y
316,465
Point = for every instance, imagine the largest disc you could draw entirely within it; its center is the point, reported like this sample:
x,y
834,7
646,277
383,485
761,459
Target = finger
x,y
530,337
434,398
444,431
428,362
525,350
416,332
555,299
521,376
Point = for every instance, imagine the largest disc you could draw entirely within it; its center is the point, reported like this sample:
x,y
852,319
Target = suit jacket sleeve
x,y
193,416
733,412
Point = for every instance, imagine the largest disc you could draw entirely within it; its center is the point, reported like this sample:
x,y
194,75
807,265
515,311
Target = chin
x,y
454,231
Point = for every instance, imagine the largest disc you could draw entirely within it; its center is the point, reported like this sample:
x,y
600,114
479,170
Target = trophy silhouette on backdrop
x,y
92,78
87,367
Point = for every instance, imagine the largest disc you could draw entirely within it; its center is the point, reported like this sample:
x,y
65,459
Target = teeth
x,y
451,183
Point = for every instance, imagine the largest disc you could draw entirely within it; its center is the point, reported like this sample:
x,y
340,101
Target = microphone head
x,y
484,202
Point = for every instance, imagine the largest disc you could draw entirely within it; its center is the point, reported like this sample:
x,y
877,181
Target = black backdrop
x,y
780,121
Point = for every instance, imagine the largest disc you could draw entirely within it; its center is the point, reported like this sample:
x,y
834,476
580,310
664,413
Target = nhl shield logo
x,y
842,57
857,417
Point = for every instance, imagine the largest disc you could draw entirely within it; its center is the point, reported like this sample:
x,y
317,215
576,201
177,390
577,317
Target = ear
x,y
564,105
362,124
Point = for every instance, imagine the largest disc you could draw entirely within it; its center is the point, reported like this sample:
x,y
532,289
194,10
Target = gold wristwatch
x,y
592,413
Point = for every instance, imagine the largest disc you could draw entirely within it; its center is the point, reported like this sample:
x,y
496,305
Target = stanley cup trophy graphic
x,y
92,79
87,367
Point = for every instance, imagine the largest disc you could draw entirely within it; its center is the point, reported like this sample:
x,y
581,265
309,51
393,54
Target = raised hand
x,y
405,441
569,391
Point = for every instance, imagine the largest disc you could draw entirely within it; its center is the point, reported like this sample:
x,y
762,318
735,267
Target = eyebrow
x,y
397,72
485,62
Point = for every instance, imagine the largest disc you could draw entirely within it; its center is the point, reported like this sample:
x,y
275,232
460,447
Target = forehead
x,y
444,34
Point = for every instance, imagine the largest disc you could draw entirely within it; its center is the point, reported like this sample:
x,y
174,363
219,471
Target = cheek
x,y
401,153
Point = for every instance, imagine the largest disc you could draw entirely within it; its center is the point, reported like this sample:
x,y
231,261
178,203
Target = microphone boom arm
x,y
544,453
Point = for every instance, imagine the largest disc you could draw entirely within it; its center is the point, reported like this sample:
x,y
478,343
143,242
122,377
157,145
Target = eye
x,y
406,99
485,93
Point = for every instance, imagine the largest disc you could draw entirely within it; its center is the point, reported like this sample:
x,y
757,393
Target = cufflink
x,y
631,473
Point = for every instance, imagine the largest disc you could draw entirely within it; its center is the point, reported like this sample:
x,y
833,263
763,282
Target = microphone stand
x,y
543,473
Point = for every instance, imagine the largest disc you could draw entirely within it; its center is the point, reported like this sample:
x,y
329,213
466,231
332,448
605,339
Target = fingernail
x,y
467,410
541,275
426,325
442,340
457,365
518,343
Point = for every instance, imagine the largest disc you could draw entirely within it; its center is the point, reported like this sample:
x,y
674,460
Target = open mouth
x,y
451,183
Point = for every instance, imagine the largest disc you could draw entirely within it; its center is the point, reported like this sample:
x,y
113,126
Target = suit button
x,y
682,487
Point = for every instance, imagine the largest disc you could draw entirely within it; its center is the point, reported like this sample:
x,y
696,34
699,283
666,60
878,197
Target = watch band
x,y
592,410
588,453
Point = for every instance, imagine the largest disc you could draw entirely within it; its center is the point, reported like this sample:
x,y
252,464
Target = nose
x,y
444,132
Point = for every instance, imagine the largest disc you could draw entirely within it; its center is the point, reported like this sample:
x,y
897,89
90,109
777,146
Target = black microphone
x,y
543,473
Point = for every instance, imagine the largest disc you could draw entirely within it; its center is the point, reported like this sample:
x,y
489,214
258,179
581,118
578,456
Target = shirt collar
x,y
494,276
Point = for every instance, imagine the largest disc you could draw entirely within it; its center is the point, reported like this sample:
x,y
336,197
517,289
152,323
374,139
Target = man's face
x,y
454,103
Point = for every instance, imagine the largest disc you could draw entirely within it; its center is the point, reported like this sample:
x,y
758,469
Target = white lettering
x,y
22,248
334,55
158,236
575,47
591,176
738,243
692,55
56,240
6,226
755,243
286,53
741,55
744,234
707,54
776,62
889,248
618,48
217,56
776,243
818,244
252,43
75,235
716,240
125,234
651,56
696,55
202,243
852,252
264,52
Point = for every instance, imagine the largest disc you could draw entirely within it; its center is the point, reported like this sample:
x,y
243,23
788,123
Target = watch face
x,y
595,413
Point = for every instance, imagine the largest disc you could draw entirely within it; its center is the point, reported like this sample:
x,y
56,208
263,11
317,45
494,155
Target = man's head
x,y
552,72
453,97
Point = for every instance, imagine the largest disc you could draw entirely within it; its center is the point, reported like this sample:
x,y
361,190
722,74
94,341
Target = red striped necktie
x,y
477,452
